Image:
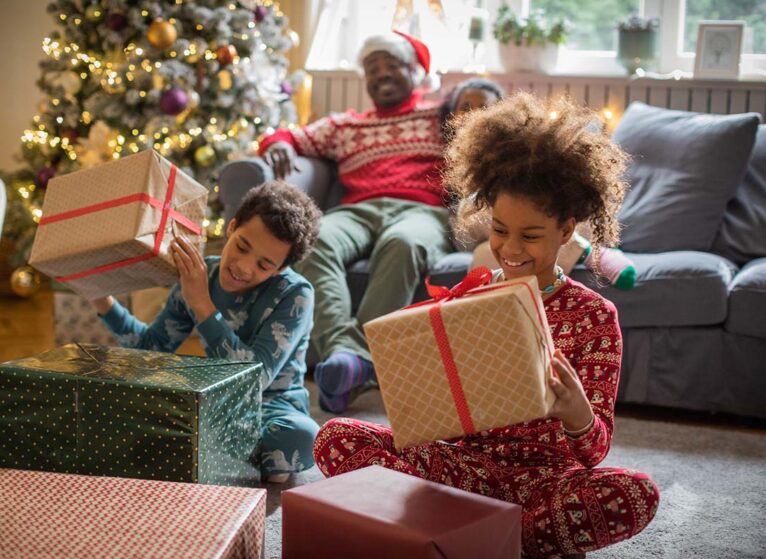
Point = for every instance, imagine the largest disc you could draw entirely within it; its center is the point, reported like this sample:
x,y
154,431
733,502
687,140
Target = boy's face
x,y
252,255
525,240
389,81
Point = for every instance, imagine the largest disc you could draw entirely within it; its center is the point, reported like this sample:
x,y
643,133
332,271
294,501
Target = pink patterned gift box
x,y
62,516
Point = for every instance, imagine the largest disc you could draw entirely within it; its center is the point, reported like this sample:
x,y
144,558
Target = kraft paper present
x,y
107,230
376,513
490,369
95,410
83,517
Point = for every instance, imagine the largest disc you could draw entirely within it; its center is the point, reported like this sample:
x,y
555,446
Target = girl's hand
x,y
194,281
571,405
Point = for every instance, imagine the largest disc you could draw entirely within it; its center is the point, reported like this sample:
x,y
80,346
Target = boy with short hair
x,y
247,304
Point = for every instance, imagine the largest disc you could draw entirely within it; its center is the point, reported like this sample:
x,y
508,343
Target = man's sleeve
x,y
315,140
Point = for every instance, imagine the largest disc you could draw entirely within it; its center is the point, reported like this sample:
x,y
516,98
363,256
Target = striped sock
x,y
341,372
616,267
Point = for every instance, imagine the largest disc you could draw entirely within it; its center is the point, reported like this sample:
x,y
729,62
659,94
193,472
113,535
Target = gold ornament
x,y
158,82
224,80
25,281
94,13
204,156
162,34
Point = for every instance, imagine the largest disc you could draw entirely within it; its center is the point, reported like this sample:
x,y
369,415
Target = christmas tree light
x,y
197,80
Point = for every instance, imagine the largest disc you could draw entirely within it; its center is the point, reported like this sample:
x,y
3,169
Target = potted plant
x,y
637,42
528,44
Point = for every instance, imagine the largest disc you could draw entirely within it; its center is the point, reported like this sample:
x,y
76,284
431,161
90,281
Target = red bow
x,y
475,278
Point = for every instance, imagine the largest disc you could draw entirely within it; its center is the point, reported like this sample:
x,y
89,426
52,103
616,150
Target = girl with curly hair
x,y
541,170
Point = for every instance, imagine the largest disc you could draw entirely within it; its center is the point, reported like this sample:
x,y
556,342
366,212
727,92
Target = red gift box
x,y
62,516
376,513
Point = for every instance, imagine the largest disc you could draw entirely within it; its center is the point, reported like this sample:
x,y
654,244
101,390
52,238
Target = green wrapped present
x,y
96,410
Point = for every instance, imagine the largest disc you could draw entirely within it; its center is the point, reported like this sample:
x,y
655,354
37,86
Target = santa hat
x,y
409,50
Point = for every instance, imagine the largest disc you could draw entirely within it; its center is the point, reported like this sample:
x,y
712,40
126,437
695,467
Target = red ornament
x,y
70,134
116,21
225,54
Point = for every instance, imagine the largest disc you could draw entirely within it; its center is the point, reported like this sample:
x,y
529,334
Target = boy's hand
x,y
194,281
281,158
571,406
103,304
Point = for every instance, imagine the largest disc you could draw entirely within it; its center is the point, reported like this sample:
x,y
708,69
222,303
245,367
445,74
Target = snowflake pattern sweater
x,y
396,152
269,325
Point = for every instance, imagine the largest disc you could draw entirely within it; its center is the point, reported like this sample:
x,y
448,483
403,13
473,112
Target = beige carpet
x,y
711,473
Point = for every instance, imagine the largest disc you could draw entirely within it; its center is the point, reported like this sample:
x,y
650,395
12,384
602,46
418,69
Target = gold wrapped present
x,y
473,358
106,230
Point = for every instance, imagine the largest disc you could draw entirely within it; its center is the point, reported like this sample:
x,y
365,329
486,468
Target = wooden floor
x,y
27,327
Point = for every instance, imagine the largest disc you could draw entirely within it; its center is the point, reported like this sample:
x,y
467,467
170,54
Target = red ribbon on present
x,y
167,212
476,278
440,294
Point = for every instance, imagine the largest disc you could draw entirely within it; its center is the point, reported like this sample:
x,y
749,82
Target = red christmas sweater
x,y
396,152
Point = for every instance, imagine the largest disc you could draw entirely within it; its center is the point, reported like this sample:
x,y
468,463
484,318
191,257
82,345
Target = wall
x,y
24,25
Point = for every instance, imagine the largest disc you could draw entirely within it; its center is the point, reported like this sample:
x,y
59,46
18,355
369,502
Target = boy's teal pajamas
x,y
270,325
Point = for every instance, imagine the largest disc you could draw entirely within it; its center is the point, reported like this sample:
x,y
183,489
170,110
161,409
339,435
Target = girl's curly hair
x,y
553,152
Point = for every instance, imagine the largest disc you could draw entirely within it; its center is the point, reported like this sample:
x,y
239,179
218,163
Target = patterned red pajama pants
x,y
566,508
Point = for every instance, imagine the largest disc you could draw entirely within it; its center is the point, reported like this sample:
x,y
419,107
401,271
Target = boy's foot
x,y
338,403
278,478
341,372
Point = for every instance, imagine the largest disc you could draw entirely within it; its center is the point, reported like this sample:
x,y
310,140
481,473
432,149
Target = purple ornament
x,y
174,101
116,21
260,13
286,88
44,175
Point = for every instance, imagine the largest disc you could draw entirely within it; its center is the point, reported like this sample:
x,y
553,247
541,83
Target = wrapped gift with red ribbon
x,y
474,357
106,230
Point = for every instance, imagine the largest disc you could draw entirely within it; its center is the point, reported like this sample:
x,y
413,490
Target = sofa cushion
x,y
686,167
682,288
742,236
747,301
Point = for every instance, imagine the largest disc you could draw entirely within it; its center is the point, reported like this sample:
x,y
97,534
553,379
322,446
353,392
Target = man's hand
x,y
571,406
103,304
281,158
194,281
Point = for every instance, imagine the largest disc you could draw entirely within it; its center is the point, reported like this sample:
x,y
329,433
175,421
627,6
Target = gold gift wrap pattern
x,y
106,230
98,410
501,347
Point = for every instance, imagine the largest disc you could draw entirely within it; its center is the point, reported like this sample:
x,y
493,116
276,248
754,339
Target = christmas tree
x,y
197,80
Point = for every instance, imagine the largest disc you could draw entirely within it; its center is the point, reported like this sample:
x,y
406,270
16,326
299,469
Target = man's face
x,y
389,80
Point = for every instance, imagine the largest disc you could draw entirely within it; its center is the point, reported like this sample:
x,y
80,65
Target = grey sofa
x,y
694,326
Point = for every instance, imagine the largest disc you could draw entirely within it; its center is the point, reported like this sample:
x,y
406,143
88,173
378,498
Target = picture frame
x,y
719,49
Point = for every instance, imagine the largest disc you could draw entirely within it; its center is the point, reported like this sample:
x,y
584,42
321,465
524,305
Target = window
x,y
593,22
591,44
752,12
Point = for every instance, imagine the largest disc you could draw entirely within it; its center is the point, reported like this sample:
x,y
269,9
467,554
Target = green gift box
x,y
97,410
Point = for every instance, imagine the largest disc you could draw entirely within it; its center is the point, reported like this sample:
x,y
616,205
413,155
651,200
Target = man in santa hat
x,y
392,212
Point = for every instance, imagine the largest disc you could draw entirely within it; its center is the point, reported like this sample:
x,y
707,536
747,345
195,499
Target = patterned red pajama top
x,y
568,506
395,152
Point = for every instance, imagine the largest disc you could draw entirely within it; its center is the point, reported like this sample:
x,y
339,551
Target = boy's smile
x,y
252,255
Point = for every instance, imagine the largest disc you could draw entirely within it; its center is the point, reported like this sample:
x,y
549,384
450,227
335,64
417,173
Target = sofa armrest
x,y
316,177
